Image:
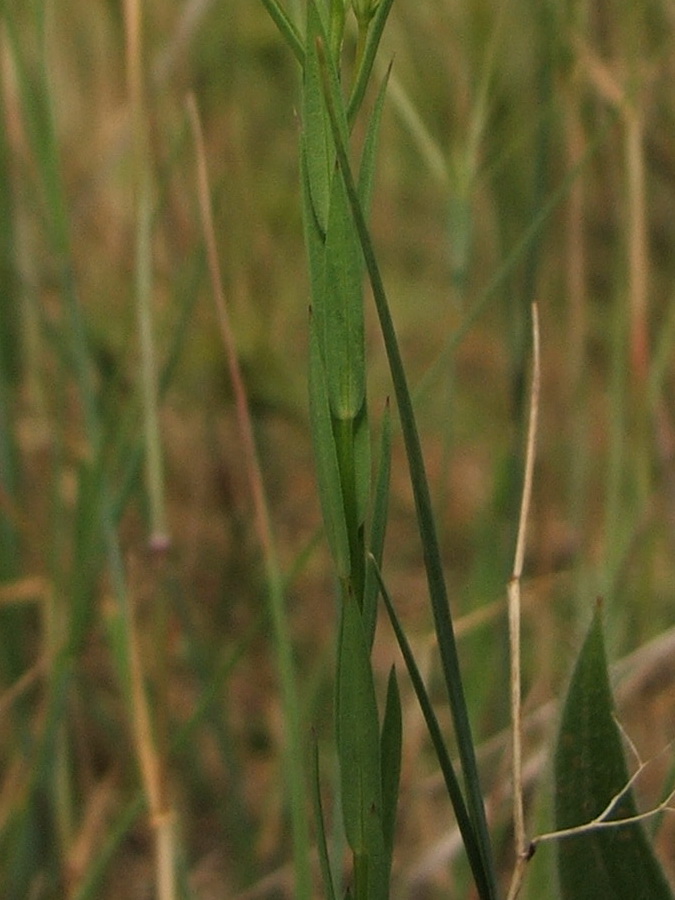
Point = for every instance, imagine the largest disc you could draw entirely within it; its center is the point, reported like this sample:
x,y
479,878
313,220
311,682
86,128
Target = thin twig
x,y
602,820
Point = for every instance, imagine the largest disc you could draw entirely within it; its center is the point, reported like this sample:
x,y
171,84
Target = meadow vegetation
x,y
178,571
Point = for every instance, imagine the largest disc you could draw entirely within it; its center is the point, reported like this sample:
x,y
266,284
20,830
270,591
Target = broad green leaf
x,y
358,738
328,472
614,863
390,763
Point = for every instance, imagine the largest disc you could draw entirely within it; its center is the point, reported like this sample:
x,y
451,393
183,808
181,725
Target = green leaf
x,y
324,859
315,134
615,863
368,59
362,469
378,528
315,237
358,738
341,313
287,28
317,144
328,472
452,785
352,443
367,169
390,744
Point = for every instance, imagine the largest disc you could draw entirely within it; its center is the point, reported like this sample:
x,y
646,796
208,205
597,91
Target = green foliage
x,y
425,519
338,412
591,780
499,122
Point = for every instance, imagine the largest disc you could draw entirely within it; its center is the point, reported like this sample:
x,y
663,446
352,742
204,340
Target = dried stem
x,y
522,845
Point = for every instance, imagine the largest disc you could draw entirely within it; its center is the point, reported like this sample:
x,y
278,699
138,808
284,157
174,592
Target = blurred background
x,y
526,154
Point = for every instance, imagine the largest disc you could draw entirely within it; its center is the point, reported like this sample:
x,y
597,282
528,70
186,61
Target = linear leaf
x,y
390,749
358,738
452,785
316,147
286,27
615,863
352,442
315,239
343,337
324,859
367,60
367,169
328,473
378,528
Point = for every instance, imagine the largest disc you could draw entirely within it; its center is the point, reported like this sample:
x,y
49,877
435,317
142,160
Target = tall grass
x,y
197,633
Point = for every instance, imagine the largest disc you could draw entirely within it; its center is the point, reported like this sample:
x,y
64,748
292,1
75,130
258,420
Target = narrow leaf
x,y
615,863
315,239
452,785
286,27
358,738
362,468
378,528
328,473
367,60
367,169
352,444
343,340
324,859
390,764
315,134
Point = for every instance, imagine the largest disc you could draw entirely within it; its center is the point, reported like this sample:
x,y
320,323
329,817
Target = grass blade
x,y
390,752
452,785
316,151
378,527
326,459
324,858
288,30
368,59
367,169
358,735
